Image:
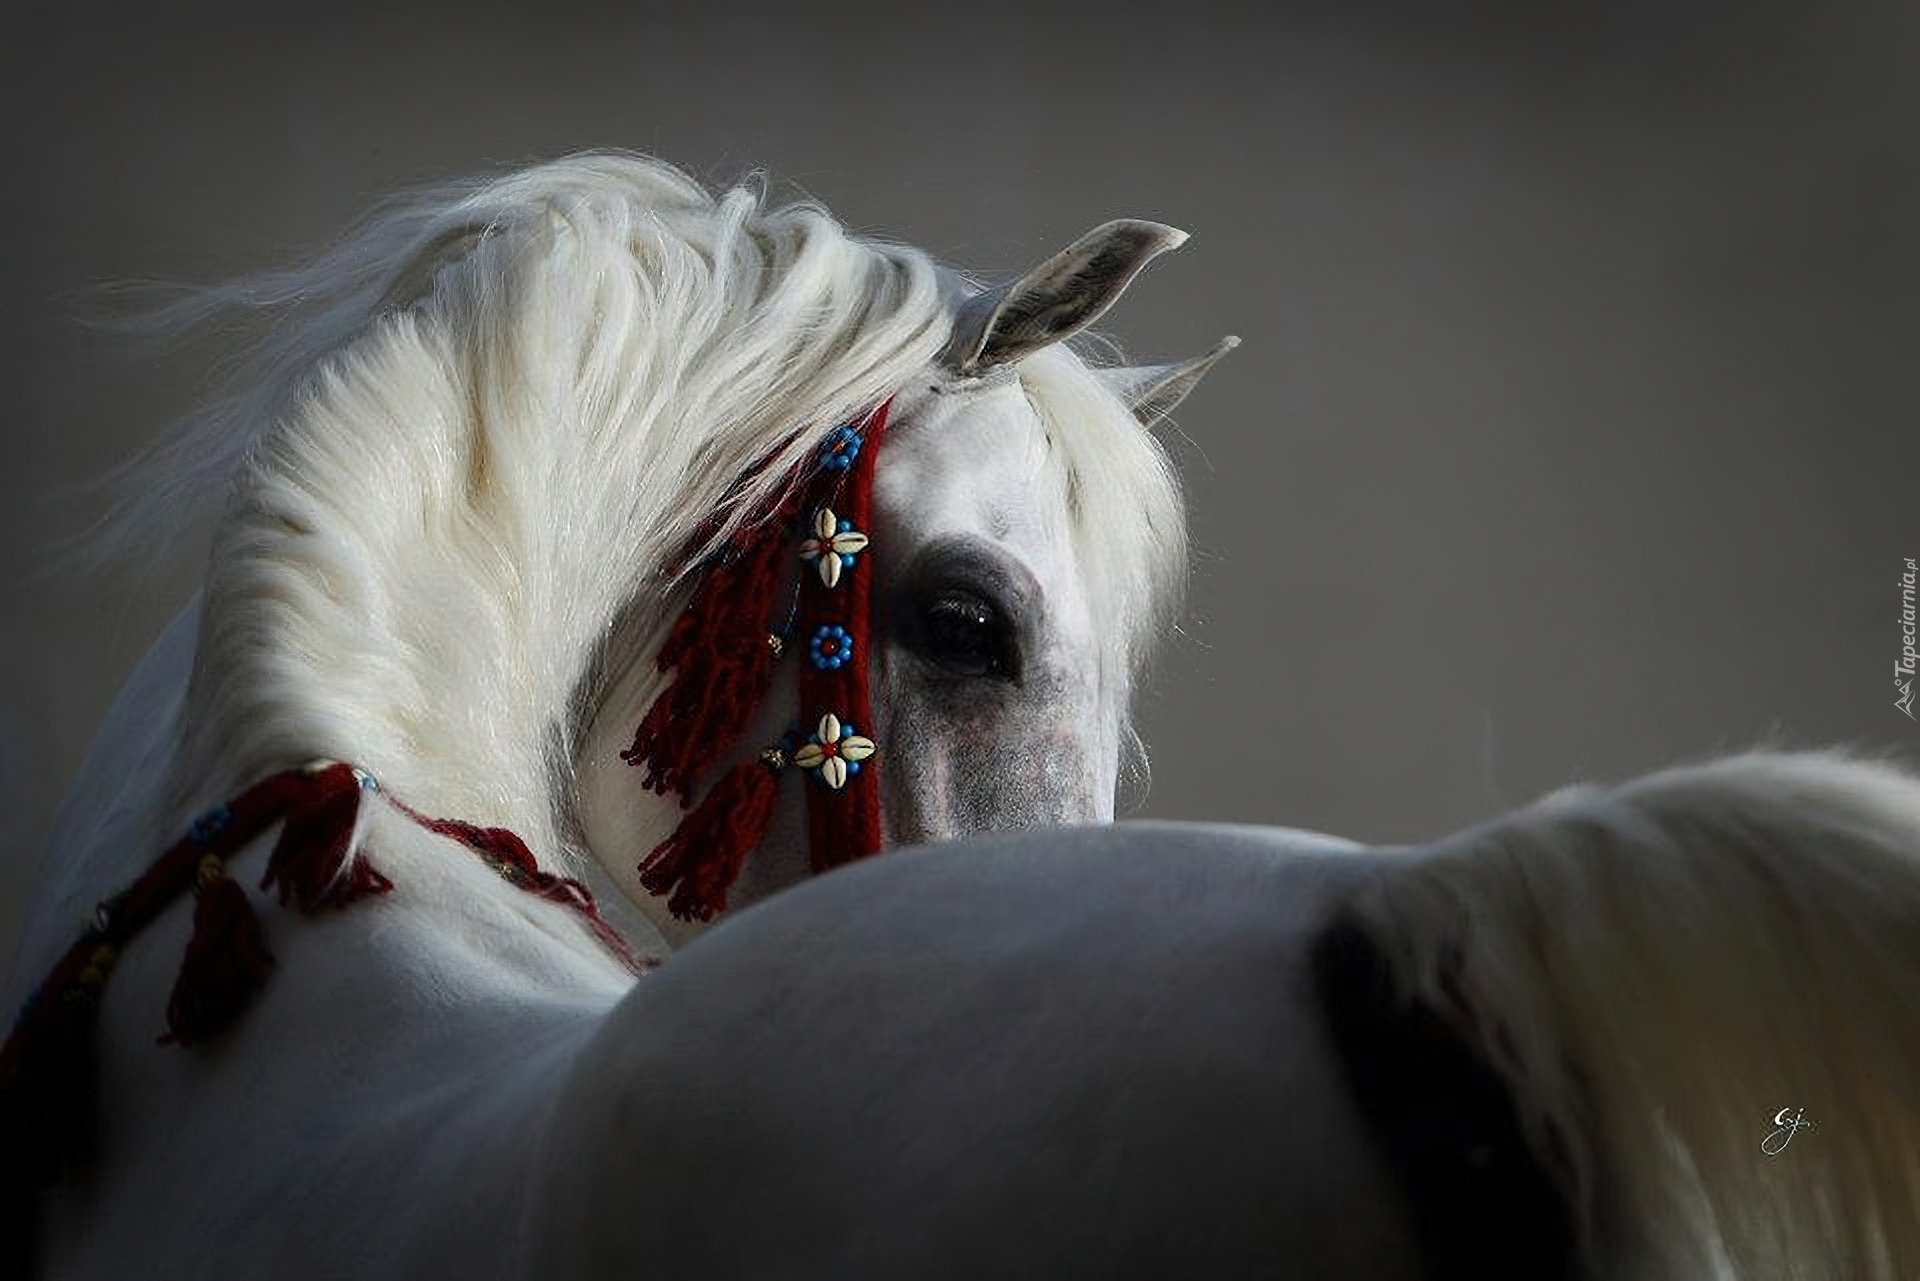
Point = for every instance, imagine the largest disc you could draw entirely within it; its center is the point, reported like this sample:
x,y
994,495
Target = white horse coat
x,y
455,481
451,488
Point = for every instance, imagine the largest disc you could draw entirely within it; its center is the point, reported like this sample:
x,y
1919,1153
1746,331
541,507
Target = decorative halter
x,y
723,652
723,656
48,1063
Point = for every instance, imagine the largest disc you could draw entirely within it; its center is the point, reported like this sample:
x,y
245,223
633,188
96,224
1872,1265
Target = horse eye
x,y
966,634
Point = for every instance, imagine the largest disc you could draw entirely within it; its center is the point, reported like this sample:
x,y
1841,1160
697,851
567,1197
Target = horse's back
x,y
1086,1052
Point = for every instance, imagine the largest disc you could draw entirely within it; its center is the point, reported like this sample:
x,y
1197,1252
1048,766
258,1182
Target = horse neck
x,y
405,582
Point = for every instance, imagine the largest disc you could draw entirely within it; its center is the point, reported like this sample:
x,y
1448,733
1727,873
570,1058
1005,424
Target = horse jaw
x,y
960,478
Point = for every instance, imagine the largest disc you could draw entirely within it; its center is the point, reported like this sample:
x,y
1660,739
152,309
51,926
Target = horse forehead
x,y
974,462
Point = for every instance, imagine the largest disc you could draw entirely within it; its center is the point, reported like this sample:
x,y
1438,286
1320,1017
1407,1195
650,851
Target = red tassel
x,y
311,859
701,860
723,667
703,714
226,962
722,662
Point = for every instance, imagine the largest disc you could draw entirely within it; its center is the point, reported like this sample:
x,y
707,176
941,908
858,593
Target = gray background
x,y
1573,433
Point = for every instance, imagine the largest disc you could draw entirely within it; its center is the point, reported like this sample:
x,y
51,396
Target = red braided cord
x,y
843,824
698,862
503,851
718,653
48,1065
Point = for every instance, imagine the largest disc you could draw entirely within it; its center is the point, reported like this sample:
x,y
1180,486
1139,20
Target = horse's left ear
x,y
1057,299
1151,391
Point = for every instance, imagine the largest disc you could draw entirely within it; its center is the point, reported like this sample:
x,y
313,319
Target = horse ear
x,y
1057,299
1152,391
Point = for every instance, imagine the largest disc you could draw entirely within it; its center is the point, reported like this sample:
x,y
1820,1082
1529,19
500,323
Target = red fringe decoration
x,y
723,666
722,662
226,963
701,860
48,1064
311,859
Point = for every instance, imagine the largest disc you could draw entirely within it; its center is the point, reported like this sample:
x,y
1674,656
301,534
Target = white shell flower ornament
x,y
832,548
833,752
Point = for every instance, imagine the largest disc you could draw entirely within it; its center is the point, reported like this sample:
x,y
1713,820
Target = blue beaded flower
x,y
840,448
831,648
209,825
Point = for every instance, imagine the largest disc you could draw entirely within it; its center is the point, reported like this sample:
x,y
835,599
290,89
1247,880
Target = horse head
x,y
1027,545
465,484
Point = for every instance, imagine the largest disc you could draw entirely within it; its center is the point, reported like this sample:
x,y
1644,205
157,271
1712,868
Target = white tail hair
x,y
1659,969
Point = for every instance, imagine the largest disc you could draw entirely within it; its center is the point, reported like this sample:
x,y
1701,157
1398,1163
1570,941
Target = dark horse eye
x,y
966,634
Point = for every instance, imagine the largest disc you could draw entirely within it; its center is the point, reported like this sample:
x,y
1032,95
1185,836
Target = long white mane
x,y
1661,969
459,472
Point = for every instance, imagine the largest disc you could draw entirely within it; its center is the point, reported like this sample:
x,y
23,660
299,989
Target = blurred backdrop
x,y
1574,432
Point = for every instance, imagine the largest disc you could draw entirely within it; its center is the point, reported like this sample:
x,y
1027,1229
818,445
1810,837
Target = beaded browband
x,y
723,653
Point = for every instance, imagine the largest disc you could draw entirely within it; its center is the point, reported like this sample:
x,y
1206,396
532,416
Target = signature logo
x,y
1787,1122
1904,667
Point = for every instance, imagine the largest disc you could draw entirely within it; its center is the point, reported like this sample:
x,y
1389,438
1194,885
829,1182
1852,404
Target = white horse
x,y
467,490
459,485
